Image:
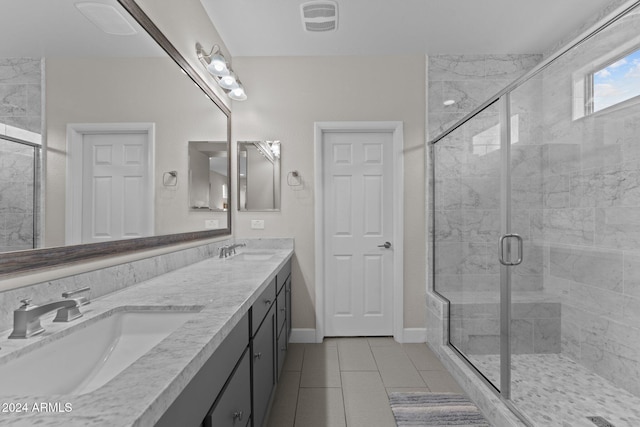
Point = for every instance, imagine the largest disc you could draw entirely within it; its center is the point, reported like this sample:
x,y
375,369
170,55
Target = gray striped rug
x,y
435,409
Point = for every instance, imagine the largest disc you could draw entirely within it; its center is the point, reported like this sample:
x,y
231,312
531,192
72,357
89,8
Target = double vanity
x,y
200,345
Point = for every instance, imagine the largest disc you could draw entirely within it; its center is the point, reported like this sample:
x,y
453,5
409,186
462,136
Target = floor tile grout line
x,y
295,412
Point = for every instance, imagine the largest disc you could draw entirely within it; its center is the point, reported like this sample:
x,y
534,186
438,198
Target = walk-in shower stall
x,y
535,234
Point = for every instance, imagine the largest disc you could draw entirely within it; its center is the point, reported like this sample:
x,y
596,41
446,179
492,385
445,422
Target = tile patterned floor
x,y
552,390
346,381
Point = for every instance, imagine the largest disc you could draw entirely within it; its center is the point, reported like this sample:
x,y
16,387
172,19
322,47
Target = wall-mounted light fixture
x,y
269,149
219,68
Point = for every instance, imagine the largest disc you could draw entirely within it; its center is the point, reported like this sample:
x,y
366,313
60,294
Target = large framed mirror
x,y
259,176
96,116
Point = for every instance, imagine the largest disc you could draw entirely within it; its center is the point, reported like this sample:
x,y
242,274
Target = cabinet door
x,y
233,407
281,310
287,290
281,349
263,358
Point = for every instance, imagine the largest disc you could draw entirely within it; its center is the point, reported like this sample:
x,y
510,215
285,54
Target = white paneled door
x,y
115,187
358,233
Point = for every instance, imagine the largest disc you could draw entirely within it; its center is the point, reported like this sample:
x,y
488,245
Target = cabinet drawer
x,y
233,407
263,360
190,408
262,306
282,275
281,310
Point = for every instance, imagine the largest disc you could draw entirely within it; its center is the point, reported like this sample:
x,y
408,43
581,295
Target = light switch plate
x,y
257,224
211,224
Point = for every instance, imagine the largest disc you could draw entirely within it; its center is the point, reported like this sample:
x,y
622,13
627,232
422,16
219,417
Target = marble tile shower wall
x,y
590,222
21,93
468,170
20,107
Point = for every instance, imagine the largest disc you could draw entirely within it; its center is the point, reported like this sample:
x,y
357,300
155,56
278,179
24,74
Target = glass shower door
x,y
468,224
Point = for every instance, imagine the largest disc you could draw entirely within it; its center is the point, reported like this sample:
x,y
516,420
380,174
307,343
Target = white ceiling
x,y
46,28
367,27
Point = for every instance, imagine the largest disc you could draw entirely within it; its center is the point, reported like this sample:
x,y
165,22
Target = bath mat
x,y
435,409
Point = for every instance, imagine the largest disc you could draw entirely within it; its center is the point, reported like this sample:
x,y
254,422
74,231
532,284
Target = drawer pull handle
x,y
238,415
257,356
267,302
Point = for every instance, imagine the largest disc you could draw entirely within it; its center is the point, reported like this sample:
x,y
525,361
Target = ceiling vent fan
x,y
319,16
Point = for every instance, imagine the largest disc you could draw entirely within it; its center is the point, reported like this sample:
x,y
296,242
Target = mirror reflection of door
x,y
110,187
259,176
115,184
208,176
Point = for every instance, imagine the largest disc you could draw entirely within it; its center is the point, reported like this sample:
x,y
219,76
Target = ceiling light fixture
x,y
449,102
217,65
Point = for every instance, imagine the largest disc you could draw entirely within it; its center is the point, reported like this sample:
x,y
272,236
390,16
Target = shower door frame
x,y
504,392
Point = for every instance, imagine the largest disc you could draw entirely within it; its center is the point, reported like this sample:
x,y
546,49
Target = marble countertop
x,y
223,290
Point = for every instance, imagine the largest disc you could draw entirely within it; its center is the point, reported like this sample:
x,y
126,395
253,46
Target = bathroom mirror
x,y
258,175
67,86
208,177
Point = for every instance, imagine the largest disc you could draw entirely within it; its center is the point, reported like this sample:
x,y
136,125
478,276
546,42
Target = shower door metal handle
x,y
501,250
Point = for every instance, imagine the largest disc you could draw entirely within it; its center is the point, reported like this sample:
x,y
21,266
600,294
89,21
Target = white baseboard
x,y
415,335
303,336
308,336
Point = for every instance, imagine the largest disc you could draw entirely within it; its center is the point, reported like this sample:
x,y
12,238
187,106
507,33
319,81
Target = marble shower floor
x,y
552,390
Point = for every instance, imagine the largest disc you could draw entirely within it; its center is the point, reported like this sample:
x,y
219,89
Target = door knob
x,y
386,245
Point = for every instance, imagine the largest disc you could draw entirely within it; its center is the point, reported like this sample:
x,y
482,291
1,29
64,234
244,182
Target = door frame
x,y
396,128
75,138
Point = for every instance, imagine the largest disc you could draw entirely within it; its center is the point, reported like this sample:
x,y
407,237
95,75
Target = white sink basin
x,y
89,357
253,256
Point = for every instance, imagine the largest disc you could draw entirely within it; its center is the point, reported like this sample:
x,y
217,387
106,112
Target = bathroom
x,y
584,309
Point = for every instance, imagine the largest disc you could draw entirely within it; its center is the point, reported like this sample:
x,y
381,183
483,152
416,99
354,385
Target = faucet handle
x,y
68,294
25,302
82,300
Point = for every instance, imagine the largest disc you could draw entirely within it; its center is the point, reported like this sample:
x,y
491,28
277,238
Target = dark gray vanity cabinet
x,y
235,386
226,371
269,343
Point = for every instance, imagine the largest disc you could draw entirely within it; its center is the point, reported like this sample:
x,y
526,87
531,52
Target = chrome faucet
x,y
236,245
225,251
26,319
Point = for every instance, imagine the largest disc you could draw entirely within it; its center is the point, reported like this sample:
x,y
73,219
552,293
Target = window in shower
x,y
616,83
612,80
